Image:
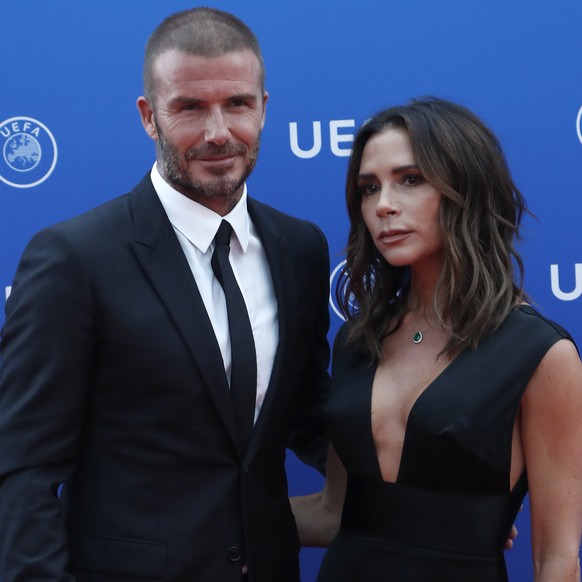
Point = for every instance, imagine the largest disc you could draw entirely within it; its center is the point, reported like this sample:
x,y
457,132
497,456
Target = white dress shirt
x,y
196,226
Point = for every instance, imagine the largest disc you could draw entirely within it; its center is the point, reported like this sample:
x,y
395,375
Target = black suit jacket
x,y
112,383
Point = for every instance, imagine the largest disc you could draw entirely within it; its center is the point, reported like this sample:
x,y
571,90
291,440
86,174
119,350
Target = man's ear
x,y
146,113
265,99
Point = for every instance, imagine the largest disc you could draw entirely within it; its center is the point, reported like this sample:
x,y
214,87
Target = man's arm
x,y
309,439
46,349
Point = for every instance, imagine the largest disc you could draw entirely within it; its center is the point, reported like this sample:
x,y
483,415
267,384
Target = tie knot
x,y
223,234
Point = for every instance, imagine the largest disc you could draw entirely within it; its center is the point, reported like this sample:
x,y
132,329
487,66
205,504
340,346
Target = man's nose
x,y
216,127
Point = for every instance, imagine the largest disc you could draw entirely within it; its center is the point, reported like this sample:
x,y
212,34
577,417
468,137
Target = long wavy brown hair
x,y
480,216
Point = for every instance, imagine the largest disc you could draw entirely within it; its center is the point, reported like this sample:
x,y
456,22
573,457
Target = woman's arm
x,y
552,440
318,515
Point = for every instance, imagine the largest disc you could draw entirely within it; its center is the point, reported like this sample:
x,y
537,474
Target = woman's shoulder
x,y
520,343
527,335
347,348
531,318
341,338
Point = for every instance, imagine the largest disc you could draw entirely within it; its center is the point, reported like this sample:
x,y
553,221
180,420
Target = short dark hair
x,y
480,216
200,31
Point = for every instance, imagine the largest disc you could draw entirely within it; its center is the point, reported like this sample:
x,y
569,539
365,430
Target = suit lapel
x,y
161,257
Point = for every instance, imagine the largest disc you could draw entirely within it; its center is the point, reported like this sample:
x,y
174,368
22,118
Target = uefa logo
x,y
333,281
29,152
336,276
337,287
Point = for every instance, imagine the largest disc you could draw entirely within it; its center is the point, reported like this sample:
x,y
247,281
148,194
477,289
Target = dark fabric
x,y
243,379
112,383
450,511
356,557
383,509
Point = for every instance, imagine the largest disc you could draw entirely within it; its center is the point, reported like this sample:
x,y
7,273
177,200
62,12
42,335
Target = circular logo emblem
x,y
579,124
333,281
29,152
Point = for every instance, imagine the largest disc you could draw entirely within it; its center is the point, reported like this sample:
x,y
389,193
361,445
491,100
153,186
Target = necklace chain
x,y
418,336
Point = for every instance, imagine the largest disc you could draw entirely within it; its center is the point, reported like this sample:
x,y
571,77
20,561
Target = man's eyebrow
x,y
243,96
185,100
182,100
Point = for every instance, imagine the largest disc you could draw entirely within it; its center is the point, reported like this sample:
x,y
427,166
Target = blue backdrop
x,y
70,136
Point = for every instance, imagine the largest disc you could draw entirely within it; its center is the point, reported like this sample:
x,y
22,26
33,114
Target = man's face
x,y
206,118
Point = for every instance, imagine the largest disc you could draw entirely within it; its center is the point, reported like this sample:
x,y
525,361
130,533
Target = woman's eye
x,y
368,189
413,179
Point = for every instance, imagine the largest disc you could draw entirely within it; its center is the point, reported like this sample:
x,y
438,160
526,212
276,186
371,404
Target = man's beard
x,y
173,167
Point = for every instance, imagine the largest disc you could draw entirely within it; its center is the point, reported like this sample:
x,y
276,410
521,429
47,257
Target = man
x,y
118,371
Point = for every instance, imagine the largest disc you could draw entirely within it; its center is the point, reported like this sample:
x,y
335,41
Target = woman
x,y
451,396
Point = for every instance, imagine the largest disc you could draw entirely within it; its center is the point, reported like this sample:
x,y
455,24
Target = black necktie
x,y
243,375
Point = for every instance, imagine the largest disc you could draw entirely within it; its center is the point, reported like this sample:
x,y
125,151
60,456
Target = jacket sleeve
x,y
46,351
309,438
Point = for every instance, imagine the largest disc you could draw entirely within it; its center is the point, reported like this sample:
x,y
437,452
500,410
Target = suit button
x,y
234,554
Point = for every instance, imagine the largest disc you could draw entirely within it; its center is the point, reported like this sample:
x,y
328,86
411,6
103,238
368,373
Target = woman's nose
x,y
387,202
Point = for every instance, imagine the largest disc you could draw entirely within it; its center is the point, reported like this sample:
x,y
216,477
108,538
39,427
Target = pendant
x,y
417,337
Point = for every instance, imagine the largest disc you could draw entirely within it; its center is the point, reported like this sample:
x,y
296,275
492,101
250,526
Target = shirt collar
x,y
196,222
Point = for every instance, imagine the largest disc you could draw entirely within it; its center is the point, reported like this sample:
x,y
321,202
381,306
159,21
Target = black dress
x,y
449,513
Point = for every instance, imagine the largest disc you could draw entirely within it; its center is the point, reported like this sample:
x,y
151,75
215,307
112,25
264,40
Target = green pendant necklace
x,y
418,336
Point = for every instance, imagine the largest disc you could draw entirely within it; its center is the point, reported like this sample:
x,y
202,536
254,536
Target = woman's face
x,y
400,208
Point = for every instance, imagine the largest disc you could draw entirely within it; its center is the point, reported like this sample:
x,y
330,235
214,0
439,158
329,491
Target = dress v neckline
x,y
427,389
